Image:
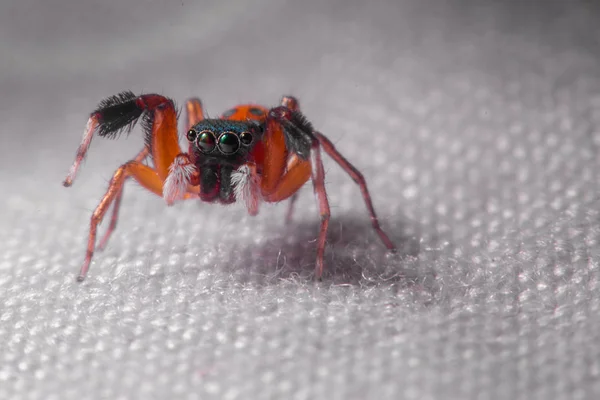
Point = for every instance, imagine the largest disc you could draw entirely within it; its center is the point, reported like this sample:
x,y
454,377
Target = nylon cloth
x,y
475,123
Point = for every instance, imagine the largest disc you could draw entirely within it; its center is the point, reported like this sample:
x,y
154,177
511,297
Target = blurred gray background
x,y
476,124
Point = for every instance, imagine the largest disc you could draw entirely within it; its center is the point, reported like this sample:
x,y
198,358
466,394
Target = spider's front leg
x,y
117,204
113,116
194,114
304,145
144,175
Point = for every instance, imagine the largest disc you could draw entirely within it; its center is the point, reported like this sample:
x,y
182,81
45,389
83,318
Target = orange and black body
x,y
250,154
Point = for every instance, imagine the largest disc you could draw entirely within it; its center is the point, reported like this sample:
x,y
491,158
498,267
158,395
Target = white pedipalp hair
x,y
246,188
180,175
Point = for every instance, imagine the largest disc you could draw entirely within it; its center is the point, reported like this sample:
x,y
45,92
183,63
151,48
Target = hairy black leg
x,y
297,130
115,115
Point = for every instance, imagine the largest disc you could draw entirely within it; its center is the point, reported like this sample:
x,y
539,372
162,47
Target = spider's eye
x,y
246,138
206,141
229,143
191,135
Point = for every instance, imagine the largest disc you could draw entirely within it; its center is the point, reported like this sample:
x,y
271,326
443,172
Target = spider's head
x,y
218,141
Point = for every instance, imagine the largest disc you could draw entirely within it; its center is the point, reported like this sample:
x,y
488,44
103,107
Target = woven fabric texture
x,y
475,123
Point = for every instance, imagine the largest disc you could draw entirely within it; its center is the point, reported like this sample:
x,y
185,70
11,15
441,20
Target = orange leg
x,y
145,175
114,115
276,155
163,137
194,112
294,177
117,205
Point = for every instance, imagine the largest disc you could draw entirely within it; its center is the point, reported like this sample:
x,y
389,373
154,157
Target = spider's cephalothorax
x,y
218,148
251,154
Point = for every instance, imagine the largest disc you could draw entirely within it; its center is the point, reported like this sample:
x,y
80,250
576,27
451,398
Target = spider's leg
x,y
182,174
295,175
194,112
303,142
86,140
117,204
304,162
298,172
120,113
159,119
145,175
278,154
290,211
291,103
360,181
318,179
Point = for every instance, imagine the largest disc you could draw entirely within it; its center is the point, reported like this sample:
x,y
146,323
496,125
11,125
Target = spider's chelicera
x,y
250,154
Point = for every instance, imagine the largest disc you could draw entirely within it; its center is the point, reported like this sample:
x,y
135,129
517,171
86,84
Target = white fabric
x,y
476,125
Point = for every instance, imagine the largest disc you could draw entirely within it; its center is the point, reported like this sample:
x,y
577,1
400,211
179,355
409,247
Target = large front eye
x,y
206,141
229,143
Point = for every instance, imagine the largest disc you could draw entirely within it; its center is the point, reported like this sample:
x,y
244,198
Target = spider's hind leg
x,y
305,144
359,179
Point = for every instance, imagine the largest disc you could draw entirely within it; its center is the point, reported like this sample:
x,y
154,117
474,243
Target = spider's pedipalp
x,y
182,173
246,186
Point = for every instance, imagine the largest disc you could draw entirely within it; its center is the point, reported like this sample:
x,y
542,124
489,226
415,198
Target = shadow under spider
x,y
354,255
